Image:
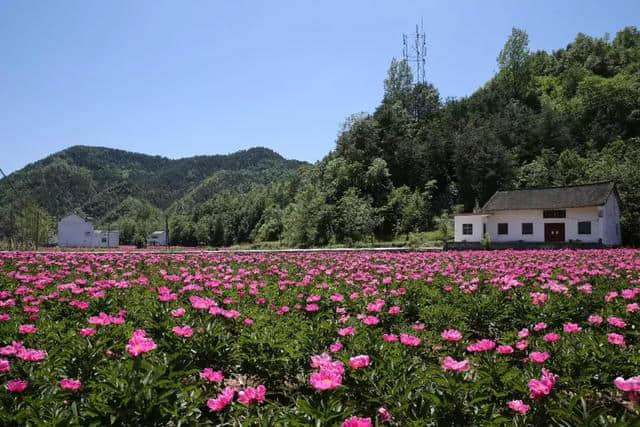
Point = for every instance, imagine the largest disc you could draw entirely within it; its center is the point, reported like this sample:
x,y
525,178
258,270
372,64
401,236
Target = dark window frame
x,y
554,213
581,229
529,228
467,229
503,228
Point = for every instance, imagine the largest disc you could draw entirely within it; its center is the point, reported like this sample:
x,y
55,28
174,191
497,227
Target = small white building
x,y
580,213
75,231
157,238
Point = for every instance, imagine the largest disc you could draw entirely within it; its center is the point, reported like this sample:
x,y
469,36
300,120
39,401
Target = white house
x,y
157,238
580,213
75,231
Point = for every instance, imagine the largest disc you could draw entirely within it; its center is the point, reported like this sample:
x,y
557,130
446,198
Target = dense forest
x,y
565,117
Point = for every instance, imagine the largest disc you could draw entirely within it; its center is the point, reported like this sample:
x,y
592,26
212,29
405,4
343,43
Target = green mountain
x,y
109,184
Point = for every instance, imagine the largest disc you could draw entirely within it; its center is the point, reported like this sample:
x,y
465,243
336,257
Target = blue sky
x,y
180,78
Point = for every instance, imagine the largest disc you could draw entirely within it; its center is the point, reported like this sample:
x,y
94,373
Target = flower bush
x,y
369,338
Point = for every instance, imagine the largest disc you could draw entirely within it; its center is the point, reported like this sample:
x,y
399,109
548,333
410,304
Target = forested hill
x,y
130,189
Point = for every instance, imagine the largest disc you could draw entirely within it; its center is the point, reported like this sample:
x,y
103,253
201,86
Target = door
x,y
554,232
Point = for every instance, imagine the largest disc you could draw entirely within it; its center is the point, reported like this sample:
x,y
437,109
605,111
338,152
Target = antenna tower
x,y
414,51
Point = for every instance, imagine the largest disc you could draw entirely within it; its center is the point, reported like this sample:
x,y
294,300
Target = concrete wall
x,y
158,240
73,231
475,220
610,222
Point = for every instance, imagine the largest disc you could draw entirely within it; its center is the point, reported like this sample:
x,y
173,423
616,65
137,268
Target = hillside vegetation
x,y
546,118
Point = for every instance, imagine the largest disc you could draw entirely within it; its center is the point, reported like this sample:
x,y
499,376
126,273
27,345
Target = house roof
x,y
574,196
157,234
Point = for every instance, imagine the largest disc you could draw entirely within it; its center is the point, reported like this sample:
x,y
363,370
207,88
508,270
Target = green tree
x,y
512,60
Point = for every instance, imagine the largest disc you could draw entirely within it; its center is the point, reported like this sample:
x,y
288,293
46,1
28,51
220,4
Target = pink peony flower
x,y
312,307
182,331
518,406
5,366
350,331
69,384
370,320
452,335
357,422
594,319
335,347
390,337
251,395
631,308
450,364
27,329
551,337
540,327
223,400
410,340
524,333
571,328
359,362
543,386
178,312
140,343
616,322
521,345
86,332
616,339
16,386
384,414
539,357
325,380
504,349
482,345
394,310
212,376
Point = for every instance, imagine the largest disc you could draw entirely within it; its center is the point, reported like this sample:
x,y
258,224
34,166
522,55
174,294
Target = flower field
x,y
351,339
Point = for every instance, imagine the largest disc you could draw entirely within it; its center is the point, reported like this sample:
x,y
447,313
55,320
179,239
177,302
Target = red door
x,y
554,232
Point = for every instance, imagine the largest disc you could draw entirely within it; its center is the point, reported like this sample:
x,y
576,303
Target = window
x,y
484,229
467,228
104,240
503,228
527,228
584,227
554,213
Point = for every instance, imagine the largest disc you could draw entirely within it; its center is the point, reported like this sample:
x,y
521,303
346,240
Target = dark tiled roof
x,y
551,198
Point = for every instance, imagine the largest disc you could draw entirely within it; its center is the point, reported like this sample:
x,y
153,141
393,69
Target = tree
x,y
399,82
355,218
512,60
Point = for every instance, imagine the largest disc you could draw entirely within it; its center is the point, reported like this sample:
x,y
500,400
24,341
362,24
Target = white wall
x,y
475,220
73,231
610,222
517,217
159,240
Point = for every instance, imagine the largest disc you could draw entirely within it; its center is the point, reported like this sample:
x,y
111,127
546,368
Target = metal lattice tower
x,y
414,51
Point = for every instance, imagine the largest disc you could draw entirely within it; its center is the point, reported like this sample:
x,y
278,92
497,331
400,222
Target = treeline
x,y
565,117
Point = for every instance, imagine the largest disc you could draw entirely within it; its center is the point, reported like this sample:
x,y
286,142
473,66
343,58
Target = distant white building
x,y
75,231
157,238
581,213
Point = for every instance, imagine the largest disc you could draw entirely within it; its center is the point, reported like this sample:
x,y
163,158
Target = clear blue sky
x,y
180,78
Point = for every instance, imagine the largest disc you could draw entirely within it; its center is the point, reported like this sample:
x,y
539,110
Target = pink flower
x,y
540,327
346,331
384,414
571,328
312,308
251,395
318,361
335,347
538,298
182,331
452,335
27,329
359,362
394,310
325,380
482,345
632,308
518,406
178,312
616,339
370,320
140,343
539,357
5,366
248,321
390,337
31,355
69,384
357,422
616,322
551,337
16,386
450,364
594,319
223,400
523,333
631,386
504,349
543,386
86,332
212,376
410,340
